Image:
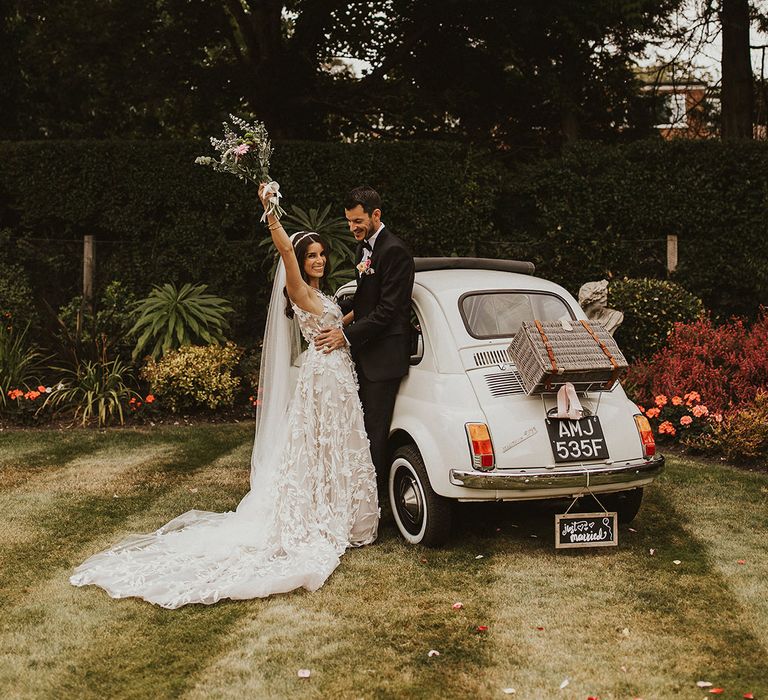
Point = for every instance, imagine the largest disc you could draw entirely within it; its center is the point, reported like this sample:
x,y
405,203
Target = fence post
x,y
671,253
89,263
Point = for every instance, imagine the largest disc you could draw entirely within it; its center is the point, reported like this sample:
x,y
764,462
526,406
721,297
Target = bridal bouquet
x,y
244,152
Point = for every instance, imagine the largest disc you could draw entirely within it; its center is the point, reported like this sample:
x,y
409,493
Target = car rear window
x,y
500,314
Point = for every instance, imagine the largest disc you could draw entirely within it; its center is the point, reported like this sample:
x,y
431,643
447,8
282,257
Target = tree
x,y
737,86
500,72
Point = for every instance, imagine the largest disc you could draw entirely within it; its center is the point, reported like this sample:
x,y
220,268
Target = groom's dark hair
x,y
366,197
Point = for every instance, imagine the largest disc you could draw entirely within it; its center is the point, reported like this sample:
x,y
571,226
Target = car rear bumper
x,y
537,478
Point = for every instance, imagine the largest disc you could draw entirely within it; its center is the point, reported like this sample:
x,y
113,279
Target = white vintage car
x,y
465,430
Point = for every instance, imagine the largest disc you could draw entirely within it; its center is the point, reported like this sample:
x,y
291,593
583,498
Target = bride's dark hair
x,y
301,242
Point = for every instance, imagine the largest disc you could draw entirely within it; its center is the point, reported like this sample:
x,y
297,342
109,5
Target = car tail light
x,y
481,446
646,436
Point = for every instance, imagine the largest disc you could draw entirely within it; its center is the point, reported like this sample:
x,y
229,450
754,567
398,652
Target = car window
x,y
500,314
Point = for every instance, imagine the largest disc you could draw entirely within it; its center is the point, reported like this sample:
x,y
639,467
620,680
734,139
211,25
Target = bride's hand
x,y
262,196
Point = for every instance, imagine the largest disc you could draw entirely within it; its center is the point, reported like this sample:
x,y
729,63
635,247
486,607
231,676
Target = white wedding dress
x,y
316,498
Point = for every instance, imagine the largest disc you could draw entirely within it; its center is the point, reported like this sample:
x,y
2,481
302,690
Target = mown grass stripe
x,y
727,510
105,470
682,623
27,454
66,522
366,633
52,623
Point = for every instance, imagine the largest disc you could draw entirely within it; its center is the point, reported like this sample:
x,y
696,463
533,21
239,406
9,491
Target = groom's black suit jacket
x,y
379,336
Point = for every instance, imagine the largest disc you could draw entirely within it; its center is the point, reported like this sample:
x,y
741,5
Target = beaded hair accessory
x,y
300,236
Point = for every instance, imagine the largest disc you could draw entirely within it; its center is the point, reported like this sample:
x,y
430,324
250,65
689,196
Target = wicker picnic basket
x,y
548,354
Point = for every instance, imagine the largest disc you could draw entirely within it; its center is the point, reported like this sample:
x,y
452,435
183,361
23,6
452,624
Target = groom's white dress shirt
x,y
367,254
371,242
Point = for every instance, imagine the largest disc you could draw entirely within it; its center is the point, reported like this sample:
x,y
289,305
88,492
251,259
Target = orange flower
x,y
700,410
686,420
31,395
41,389
661,400
676,401
667,428
150,398
652,412
691,397
718,417
640,408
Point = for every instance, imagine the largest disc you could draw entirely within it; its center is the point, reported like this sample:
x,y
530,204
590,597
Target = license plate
x,y
577,440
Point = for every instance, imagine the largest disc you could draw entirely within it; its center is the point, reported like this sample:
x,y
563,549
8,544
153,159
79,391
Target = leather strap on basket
x,y
550,352
607,352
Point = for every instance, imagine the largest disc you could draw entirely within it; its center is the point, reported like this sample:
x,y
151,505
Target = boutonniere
x,y
364,267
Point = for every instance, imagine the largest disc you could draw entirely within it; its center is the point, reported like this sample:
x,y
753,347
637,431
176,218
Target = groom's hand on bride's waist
x,y
330,339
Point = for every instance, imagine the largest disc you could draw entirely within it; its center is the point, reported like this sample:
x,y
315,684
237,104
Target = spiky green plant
x,y
335,232
18,361
170,318
93,390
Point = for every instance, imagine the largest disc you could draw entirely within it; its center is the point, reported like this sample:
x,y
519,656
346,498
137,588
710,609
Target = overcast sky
x,y
707,59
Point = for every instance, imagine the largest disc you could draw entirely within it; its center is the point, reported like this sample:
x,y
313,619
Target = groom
x,y
379,335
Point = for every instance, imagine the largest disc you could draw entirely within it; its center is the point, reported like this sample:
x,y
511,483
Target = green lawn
x,y
616,623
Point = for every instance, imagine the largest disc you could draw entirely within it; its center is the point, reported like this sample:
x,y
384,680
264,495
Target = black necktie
x,y
367,246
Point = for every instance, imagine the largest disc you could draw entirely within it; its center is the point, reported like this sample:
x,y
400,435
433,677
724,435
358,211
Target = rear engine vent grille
x,y
492,357
505,383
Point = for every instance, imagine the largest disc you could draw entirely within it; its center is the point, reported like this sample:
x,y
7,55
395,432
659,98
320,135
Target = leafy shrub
x,y
742,435
651,309
95,389
16,296
726,364
83,333
172,318
19,362
195,377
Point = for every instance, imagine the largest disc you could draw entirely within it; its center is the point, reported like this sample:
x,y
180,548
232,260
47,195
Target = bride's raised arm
x,y
299,292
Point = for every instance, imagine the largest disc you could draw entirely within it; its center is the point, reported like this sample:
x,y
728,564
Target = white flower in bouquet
x,y
244,152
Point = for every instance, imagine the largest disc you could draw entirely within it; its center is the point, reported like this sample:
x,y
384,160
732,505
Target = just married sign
x,y
586,530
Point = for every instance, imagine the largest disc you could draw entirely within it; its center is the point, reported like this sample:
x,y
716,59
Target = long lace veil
x,y
279,348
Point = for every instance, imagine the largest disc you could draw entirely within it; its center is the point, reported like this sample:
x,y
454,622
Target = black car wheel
x,y
421,515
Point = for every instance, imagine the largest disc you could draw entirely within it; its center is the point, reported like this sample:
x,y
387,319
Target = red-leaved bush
x,y
727,364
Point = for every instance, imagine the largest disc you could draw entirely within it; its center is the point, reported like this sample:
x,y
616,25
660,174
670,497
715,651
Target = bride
x,y
313,485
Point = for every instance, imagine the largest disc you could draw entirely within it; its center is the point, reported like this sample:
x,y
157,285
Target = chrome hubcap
x,y
410,505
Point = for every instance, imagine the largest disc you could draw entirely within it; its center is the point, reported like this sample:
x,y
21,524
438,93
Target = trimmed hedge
x,y
159,218
598,211
605,212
